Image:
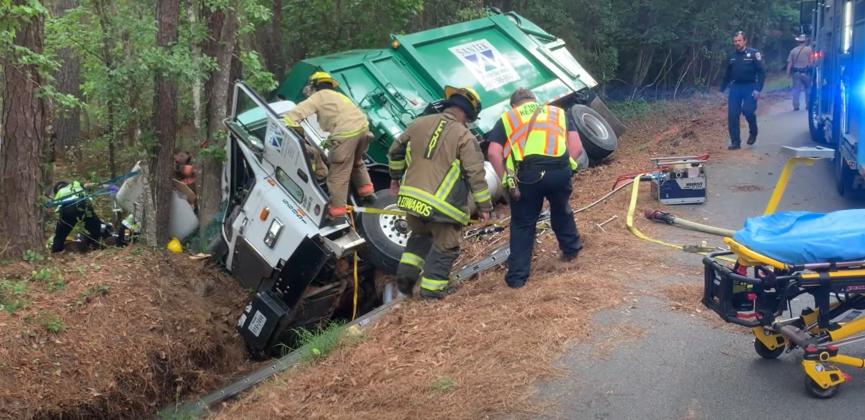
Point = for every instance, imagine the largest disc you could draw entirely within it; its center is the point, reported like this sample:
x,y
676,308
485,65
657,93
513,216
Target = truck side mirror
x,y
806,29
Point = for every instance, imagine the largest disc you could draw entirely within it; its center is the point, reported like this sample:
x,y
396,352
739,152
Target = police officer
x,y
349,140
799,68
745,76
434,165
537,146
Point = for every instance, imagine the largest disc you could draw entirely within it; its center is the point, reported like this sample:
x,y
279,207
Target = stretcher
x,y
781,256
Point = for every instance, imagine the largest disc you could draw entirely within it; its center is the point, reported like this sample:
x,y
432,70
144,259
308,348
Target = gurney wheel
x,y
764,351
818,391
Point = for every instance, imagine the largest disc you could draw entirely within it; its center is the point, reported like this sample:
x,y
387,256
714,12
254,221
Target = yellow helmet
x,y
322,77
468,93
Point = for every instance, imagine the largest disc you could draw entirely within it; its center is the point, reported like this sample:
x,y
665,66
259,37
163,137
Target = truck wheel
x,y
598,138
815,126
385,235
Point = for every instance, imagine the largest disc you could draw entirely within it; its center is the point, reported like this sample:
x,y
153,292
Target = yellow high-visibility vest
x,y
548,136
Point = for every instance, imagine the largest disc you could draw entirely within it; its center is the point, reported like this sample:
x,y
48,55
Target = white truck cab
x,y
275,238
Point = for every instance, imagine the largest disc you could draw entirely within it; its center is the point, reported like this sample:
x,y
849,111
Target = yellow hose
x,y
354,306
630,221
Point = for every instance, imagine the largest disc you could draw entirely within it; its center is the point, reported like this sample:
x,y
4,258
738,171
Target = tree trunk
x,y
268,40
108,61
23,133
164,120
196,84
210,171
67,123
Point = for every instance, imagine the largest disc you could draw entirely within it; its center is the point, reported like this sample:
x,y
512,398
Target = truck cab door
x,y
283,150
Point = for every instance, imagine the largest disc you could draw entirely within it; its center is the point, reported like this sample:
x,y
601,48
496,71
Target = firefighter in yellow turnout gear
x,y
434,166
349,140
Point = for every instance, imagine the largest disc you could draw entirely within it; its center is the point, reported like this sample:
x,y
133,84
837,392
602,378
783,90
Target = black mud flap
x,y
598,106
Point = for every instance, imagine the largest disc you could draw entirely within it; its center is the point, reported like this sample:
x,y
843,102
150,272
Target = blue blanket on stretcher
x,y
800,237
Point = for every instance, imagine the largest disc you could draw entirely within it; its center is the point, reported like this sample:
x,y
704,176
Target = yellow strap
x,y
635,188
403,213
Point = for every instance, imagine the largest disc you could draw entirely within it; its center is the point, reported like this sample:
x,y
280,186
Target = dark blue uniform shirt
x,y
745,67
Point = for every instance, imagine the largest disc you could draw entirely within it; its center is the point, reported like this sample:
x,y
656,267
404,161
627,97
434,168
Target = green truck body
x,y
494,55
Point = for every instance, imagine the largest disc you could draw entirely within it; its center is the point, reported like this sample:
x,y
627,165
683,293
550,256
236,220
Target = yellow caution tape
x,y
403,213
630,222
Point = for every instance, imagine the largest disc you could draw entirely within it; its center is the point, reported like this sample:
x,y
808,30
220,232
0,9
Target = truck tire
x,y
385,235
598,138
815,126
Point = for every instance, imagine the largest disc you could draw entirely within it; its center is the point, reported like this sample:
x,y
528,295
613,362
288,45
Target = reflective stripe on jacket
x,y
69,194
438,161
548,137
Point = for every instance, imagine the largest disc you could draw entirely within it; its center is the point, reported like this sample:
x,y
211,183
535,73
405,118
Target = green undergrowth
x,y
320,341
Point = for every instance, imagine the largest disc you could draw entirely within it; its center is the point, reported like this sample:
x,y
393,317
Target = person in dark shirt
x,y
745,76
544,160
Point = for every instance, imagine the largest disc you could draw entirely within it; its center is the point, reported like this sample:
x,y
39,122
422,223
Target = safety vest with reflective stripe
x,y
548,136
69,194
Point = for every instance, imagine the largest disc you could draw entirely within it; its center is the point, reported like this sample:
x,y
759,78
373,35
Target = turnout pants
x,y
432,249
555,186
801,82
740,102
69,217
346,165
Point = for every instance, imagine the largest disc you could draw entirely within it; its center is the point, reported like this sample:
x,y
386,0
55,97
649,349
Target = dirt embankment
x,y
114,334
477,354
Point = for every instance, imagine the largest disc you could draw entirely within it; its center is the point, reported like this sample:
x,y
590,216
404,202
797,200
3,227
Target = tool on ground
x,y
702,248
663,217
679,180
484,231
601,225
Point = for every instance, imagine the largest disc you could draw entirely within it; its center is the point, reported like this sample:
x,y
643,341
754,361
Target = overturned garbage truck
x,y
274,238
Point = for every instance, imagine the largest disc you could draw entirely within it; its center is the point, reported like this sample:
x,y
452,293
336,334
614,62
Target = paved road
x,y
684,367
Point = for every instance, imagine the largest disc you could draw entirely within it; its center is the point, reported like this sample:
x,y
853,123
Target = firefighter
x,y
434,166
349,140
75,207
745,76
535,146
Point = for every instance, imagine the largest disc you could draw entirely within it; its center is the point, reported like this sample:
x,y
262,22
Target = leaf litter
x,y
492,343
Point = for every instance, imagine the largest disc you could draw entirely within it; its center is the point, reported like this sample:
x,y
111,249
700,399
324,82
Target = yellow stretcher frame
x,y
822,375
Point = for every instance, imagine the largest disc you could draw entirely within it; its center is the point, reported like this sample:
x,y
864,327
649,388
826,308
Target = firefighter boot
x,y
405,284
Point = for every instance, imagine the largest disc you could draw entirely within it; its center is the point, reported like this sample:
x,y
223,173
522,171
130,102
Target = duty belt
x,y
799,69
551,166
